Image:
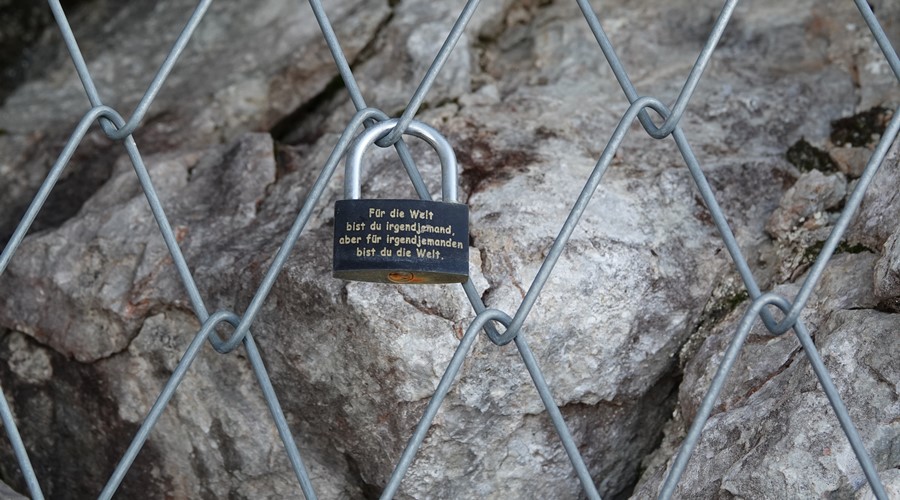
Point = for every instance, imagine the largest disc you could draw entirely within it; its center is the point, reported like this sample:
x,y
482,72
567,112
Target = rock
x,y
813,194
891,480
773,431
803,222
22,22
354,364
109,261
7,493
215,439
876,218
851,161
254,76
887,273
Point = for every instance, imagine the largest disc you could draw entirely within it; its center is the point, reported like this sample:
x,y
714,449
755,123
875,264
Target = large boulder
x,y
98,317
773,432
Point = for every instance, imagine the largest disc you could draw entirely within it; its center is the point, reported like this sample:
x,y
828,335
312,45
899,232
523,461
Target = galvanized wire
x,y
119,129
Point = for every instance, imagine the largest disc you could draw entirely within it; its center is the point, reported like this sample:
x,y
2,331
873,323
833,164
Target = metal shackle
x,y
449,168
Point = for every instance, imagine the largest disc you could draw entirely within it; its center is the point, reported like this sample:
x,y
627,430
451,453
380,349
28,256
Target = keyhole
x,y
401,277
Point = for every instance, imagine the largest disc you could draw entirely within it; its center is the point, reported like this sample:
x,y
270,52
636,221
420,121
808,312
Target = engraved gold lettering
x,y
421,214
428,254
399,233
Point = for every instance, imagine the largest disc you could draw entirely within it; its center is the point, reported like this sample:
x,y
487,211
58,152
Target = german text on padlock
x,y
401,241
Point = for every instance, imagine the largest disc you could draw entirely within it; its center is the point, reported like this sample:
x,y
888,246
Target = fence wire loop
x,y
222,346
384,132
388,139
501,338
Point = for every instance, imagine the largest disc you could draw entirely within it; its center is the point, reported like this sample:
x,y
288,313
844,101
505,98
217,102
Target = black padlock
x,y
401,241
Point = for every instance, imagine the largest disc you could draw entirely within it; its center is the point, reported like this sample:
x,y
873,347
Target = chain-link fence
x,y
501,328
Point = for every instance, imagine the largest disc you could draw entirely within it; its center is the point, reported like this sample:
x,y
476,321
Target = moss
x,y
731,302
719,308
857,130
844,247
813,251
807,157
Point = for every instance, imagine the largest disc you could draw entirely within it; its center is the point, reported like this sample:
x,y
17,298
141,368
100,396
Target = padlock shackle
x,y
449,168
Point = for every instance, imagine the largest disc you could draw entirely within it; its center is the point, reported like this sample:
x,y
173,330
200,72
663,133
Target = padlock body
x,y
401,241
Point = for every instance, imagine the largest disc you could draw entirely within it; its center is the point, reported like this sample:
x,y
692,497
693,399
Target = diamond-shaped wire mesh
x,y
657,119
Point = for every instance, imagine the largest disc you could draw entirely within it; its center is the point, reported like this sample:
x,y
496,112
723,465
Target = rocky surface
x,y
812,194
253,74
887,273
773,431
640,302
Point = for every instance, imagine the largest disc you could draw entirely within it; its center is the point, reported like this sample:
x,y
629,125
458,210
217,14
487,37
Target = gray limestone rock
x,y
891,480
7,493
772,431
813,193
851,160
887,273
877,217
109,260
248,59
99,317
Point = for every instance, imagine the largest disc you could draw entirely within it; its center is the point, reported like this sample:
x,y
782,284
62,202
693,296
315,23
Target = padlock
x,y
401,241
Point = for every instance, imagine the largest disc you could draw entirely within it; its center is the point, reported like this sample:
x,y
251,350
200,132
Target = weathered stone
x,y
214,440
767,437
108,261
772,431
877,217
890,479
22,21
851,161
887,273
528,105
813,194
7,493
250,63
803,222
